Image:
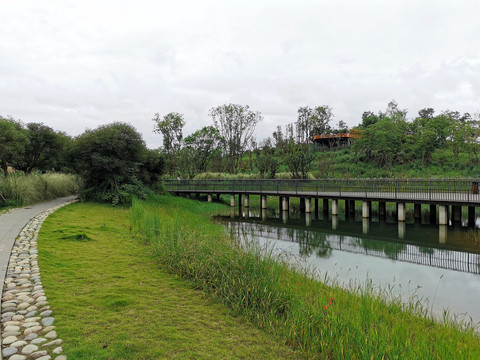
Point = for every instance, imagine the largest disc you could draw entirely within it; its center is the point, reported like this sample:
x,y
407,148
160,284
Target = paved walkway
x,y
13,222
26,318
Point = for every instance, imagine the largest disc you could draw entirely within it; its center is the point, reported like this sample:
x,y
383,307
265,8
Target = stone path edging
x,y
27,323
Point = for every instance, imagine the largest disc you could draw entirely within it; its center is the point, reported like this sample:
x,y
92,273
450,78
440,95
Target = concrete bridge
x,y
450,195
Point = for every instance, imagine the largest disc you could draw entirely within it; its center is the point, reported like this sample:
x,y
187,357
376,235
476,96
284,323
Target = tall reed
x,y
323,320
19,189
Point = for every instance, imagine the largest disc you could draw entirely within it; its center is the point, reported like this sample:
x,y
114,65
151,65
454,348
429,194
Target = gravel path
x,y
27,321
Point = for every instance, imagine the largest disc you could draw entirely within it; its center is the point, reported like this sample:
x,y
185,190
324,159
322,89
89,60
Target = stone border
x,y
27,322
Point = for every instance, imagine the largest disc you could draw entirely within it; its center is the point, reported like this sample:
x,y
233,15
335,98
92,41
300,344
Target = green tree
x,y
236,125
109,158
43,149
266,163
171,128
299,159
206,144
13,139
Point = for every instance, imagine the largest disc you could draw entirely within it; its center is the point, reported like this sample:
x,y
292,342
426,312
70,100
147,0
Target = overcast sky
x,y
79,64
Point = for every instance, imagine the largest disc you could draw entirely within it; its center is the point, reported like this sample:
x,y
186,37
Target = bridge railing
x,y
435,190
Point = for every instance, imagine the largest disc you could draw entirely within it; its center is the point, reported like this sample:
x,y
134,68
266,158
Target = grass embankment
x,y
19,189
322,321
112,300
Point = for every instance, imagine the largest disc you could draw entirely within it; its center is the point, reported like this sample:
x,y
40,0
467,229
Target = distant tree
x,y
206,144
171,128
311,122
303,125
13,139
368,118
320,119
278,137
109,158
265,161
394,113
236,125
299,159
426,113
43,149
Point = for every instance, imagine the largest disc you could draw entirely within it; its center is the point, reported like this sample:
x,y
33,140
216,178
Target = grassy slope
x,y
357,324
111,301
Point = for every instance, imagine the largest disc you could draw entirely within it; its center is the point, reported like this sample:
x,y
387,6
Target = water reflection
x,y
417,257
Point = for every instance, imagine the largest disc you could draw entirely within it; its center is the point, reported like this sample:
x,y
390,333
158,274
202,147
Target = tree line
x,y
114,160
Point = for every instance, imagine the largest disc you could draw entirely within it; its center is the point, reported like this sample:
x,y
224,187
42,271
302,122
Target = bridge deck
x,y
441,191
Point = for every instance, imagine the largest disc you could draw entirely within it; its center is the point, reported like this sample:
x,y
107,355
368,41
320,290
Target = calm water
x,y
439,266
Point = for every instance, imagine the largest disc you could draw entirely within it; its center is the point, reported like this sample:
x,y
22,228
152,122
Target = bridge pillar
x,y
442,215
247,200
365,225
232,200
209,197
334,222
316,207
382,209
456,213
347,208
284,217
352,207
302,204
285,203
264,201
308,205
308,219
240,203
401,212
442,234
264,214
401,229
334,206
433,214
325,206
218,197
365,209
417,211
471,216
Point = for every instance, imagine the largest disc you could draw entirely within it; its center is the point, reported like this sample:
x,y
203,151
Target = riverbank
x,y
317,319
112,299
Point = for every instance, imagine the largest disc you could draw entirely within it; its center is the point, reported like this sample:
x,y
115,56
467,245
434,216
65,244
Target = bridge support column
x,y
316,207
365,225
456,213
352,207
442,215
433,214
347,208
308,219
285,203
334,222
240,203
325,206
308,205
334,206
471,216
401,212
401,229
209,197
302,204
218,197
264,201
247,201
365,209
232,200
442,234
382,209
417,211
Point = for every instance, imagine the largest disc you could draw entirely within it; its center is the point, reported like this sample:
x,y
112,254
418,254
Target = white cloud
x,y
75,64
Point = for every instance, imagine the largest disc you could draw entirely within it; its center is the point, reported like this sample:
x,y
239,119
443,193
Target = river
x,y
414,260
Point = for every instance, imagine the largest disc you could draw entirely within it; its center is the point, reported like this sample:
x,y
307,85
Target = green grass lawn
x,y
111,300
